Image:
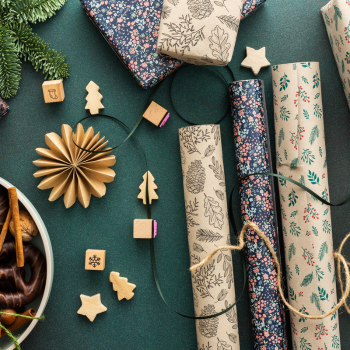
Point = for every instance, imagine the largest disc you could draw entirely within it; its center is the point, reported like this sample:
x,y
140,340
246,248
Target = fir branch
x,y
31,47
10,65
34,10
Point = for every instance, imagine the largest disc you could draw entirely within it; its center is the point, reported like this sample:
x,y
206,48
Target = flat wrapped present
x,y
250,6
3,108
201,32
131,29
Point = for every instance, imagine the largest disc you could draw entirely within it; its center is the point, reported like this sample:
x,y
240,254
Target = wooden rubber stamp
x,y
95,259
145,228
156,114
53,91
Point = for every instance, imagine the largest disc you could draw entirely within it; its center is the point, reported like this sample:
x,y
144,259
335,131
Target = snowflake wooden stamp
x,y
95,259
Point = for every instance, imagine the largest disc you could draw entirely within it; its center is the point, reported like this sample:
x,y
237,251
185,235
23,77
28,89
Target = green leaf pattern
x,y
308,245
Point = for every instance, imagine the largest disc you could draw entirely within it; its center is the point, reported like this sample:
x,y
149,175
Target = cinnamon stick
x,y
5,228
18,233
19,322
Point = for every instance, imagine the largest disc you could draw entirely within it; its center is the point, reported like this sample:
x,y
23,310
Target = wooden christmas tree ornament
x,y
91,306
72,171
95,259
145,228
156,114
93,98
148,177
121,286
53,91
256,59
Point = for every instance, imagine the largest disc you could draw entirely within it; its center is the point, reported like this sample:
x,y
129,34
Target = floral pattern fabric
x,y
131,29
257,205
3,108
208,228
307,229
250,6
336,15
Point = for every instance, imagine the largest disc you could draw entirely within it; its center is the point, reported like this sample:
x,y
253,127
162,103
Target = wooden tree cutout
x,y
93,98
122,286
151,188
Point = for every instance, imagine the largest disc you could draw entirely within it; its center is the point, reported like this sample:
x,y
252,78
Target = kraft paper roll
x,y
252,149
208,228
336,15
301,155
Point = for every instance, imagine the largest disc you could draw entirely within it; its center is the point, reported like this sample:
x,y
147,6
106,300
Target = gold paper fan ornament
x,y
72,171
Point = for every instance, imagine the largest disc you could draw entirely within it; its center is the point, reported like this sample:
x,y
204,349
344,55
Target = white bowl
x,y
43,243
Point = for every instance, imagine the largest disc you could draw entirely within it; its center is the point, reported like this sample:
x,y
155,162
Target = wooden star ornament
x,y
122,286
256,59
91,306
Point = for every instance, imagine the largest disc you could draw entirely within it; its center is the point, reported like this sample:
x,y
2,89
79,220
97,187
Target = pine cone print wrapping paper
x,y
208,228
201,32
252,149
3,108
131,29
307,230
336,15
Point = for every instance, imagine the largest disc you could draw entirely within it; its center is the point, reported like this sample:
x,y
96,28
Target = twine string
x,y
337,255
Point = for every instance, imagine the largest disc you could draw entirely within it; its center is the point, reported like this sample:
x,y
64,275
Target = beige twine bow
x,y
337,255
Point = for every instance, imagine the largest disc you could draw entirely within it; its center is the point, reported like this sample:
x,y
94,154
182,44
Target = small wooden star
x,y
91,306
256,59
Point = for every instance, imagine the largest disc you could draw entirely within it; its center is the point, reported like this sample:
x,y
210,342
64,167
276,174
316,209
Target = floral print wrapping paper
x,y
201,32
252,149
3,108
131,29
208,228
336,15
250,6
307,230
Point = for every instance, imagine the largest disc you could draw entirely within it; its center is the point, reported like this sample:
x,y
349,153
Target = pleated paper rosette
x,y
72,171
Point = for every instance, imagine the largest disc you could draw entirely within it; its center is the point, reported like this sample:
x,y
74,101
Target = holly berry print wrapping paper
x,y
3,108
307,230
131,29
201,32
336,15
250,6
252,149
208,228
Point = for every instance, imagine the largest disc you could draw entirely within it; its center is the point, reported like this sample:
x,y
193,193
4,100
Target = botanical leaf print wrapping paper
x,y
301,155
258,205
208,228
202,32
131,29
336,15
3,108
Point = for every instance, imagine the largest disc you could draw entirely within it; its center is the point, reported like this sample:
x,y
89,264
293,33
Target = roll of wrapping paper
x,y
307,230
336,15
252,149
208,228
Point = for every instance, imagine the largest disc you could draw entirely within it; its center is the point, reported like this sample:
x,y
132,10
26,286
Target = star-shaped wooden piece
x,y
122,286
256,59
91,306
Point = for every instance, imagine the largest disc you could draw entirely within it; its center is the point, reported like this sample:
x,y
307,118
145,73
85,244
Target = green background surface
x,y
292,31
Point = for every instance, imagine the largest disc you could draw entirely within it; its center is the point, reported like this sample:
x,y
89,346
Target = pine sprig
x,y
10,65
34,10
31,47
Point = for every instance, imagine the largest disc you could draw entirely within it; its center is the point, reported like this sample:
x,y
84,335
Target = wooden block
x,y
93,98
95,259
91,306
156,114
122,286
143,228
53,91
256,59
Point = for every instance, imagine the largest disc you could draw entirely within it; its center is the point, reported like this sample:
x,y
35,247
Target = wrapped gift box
x,y
131,29
250,6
